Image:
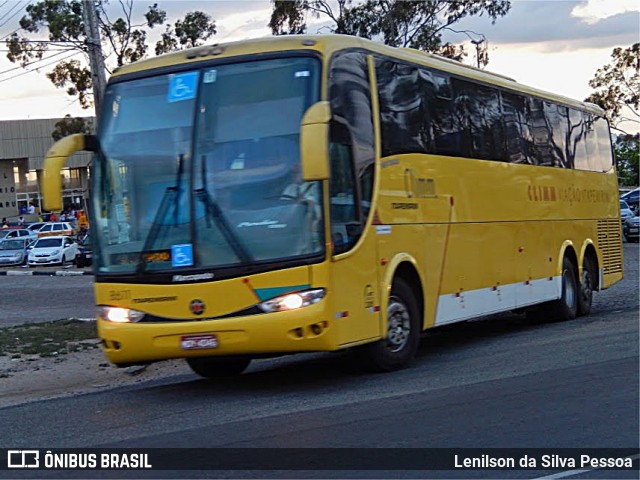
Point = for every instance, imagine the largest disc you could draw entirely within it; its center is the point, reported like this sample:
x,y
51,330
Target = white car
x,y
625,211
52,250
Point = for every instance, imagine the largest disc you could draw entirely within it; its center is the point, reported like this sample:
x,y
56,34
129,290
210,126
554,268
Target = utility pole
x,y
96,59
477,43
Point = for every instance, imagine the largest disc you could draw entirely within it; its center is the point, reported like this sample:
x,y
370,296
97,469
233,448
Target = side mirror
x,y
55,160
314,142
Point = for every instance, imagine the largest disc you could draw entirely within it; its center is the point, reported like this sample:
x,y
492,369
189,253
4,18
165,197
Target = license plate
x,y
198,342
633,230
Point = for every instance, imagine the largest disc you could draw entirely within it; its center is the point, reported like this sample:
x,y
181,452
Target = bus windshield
x,y
200,169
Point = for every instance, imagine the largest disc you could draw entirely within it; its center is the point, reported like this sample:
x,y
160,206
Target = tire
x,y
566,308
218,367
400,344
587,286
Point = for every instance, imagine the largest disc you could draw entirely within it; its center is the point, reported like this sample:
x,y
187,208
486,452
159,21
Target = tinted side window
x,y
352,152
350,98
517,137
403,115
540,134
605,159
576,146
478,117
443,125
591,144
557,119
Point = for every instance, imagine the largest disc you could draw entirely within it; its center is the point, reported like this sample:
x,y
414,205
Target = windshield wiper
x,y
214,211
171,196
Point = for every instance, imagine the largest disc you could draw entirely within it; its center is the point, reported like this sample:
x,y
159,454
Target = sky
x,y
554,45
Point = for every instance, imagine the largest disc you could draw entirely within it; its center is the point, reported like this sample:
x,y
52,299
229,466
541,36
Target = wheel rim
x,y
569,289
399,326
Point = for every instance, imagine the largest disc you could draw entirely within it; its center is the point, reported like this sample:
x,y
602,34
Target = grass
x,y
48,338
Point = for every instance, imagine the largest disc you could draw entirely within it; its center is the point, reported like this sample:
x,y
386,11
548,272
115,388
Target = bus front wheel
x,y
400,344
566,307
218,367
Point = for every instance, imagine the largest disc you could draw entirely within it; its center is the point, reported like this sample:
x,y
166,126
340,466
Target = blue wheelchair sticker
x,y
182,255
182,86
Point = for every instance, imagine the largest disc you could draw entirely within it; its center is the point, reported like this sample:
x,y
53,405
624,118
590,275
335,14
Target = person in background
x,y
21,221
52,217
83,223
5,224
32,209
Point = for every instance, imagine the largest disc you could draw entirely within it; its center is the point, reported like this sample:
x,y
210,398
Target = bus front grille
x,y
610,244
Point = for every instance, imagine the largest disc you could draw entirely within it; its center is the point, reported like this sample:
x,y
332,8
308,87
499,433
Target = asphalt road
x,y
499,382
29,299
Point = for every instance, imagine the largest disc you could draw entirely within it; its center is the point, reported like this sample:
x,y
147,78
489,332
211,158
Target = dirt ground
x,y
31,377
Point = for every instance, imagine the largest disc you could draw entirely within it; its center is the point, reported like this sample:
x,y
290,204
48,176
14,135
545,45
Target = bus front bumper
x,y
308,329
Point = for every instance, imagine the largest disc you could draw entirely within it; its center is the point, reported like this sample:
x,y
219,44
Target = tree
x,y
397,23
69,125
123,40
627,152
617,86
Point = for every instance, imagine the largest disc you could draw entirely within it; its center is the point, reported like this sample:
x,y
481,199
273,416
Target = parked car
x,y
53,250
14,251
6,233
84,255
55,229
632,198
35,226
631,229
625,211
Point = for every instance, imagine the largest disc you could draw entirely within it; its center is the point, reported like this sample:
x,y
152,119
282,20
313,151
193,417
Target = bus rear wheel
x,y
400,344
218,367
587,286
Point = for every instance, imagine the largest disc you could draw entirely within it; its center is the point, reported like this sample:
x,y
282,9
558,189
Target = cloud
x,y
554,21
593,11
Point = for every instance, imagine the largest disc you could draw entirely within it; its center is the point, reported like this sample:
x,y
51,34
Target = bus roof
x,y
330,43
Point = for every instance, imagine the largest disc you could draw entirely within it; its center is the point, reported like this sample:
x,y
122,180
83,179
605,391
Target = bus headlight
x,y
120,314
292,301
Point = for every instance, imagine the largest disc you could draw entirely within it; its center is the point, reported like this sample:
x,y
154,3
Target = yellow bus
x,y
322,193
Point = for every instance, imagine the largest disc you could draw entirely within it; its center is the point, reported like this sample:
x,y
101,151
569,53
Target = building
x,y
23,146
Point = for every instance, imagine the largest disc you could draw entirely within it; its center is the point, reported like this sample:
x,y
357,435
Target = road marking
x,y
571,473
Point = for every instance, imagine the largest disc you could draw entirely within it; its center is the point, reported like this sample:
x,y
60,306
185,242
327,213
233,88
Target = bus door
x,y
354,269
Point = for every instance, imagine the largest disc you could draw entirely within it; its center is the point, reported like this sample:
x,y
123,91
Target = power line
x,y
41,66
20,7
61,49
34,62
11,33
